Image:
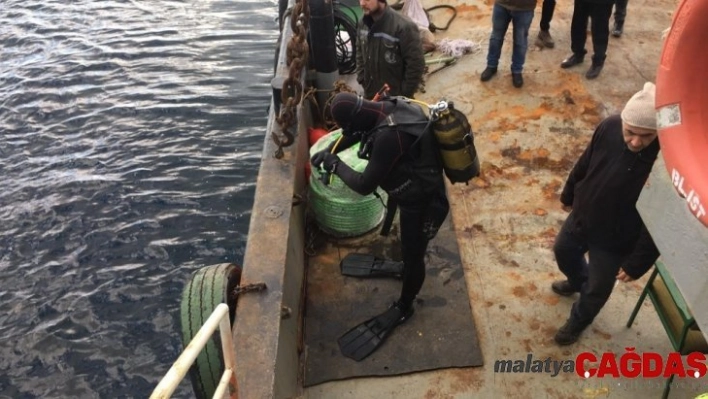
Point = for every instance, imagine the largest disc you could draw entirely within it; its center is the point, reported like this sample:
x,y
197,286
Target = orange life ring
x,y
682,104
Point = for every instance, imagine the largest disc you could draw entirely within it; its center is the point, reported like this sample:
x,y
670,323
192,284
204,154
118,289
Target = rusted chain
x,y
338,87
243,289
297,51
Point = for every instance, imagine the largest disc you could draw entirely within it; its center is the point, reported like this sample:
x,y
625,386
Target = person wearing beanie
x,y
520,14
599,12
389,51
601,193
404,161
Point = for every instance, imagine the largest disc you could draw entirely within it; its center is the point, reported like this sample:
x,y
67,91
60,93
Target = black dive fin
x,y
365,265
364,339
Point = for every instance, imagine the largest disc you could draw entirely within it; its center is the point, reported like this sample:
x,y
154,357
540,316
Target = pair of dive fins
x,y
364,339
365,265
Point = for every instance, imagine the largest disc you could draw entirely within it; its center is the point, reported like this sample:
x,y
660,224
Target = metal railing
x,y
219,318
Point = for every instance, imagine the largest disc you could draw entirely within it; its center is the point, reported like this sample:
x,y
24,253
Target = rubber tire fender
x,y
207,288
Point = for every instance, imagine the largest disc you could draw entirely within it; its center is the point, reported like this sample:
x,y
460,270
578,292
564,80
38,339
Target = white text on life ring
x,y
694,201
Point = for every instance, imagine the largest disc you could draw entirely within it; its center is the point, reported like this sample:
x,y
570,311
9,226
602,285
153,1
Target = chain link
x,y
243,289
339,86
297,52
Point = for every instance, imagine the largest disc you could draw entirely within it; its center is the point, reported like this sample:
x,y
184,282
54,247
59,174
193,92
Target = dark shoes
x,y
572,61
569,333
544,39
617,30
576,59
517,79
594,71
563,287
487,74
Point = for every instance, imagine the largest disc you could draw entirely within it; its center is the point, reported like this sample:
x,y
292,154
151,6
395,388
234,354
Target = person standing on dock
x,y
544,38
601,194
520,14
599,13
620,15
404,161
389,51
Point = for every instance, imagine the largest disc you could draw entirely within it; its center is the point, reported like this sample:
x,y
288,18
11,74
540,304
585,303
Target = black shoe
x,y
569,333
594,71
487,74
563,287
572,61
517,79
617,30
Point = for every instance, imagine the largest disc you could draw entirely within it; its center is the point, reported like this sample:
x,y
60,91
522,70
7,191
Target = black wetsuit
x,y
422,203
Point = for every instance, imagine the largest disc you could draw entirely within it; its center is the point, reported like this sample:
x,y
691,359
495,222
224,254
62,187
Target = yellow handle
x,y
334,147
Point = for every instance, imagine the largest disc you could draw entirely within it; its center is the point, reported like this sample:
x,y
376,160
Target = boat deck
x,y
506,220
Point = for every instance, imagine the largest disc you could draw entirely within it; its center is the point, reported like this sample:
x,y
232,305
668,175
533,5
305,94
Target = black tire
x,y
208,287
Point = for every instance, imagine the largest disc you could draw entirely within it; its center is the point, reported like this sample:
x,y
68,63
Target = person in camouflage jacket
x,y
388,51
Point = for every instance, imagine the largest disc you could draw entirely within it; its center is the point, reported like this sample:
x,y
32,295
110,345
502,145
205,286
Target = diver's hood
x,y
354,114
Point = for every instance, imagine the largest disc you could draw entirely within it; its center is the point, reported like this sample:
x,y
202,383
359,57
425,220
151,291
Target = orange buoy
x,y
315,134
682,105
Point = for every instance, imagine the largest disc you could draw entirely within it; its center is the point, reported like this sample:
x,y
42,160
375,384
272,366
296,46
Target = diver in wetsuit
x,y
404,161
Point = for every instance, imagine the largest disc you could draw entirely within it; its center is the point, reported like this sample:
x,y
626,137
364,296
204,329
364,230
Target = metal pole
x,y
227,348
181,366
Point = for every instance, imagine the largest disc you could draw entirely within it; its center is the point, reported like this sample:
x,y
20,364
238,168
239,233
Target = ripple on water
x,y
131,140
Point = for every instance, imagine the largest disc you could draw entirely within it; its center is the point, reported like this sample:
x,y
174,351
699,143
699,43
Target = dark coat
x,y
389,51
603,189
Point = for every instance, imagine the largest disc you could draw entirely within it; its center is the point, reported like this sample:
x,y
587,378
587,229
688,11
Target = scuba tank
x,y
455,138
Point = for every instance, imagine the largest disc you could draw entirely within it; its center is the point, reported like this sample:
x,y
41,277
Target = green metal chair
x,y
678,321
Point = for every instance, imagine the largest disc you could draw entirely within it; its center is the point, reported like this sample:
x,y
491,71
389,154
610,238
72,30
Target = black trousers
x,y
620,11
547,13
599,15
420,221
595,279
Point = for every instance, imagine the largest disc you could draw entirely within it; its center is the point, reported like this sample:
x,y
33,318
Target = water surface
x,y
130,139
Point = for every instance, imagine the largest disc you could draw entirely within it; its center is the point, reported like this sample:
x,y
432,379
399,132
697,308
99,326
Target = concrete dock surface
x,y
528,139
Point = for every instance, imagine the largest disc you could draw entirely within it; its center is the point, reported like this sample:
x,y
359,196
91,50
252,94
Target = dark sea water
x,y
130,140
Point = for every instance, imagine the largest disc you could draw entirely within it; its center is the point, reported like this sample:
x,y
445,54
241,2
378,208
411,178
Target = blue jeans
x,y
500,23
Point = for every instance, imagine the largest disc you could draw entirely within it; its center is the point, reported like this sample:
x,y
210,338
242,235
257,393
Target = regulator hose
x,y
432,26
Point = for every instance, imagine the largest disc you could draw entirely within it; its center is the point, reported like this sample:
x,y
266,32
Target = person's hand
x,y
319,157
567,208
330,161
623,276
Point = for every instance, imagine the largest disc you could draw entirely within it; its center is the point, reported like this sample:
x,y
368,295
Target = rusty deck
x,y
506,220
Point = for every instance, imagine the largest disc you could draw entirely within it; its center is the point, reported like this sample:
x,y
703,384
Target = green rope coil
x,y
339,210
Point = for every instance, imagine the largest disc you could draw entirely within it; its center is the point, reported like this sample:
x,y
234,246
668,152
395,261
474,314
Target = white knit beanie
x,y
640,111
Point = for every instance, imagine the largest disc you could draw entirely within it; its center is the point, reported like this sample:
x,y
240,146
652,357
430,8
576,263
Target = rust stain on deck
x,y
519,292
537,158
601,333
551,299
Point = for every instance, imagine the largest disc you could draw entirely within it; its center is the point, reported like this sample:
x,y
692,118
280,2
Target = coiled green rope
x,y
338,210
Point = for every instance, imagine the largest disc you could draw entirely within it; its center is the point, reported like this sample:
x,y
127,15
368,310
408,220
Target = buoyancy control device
x,y
452,134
